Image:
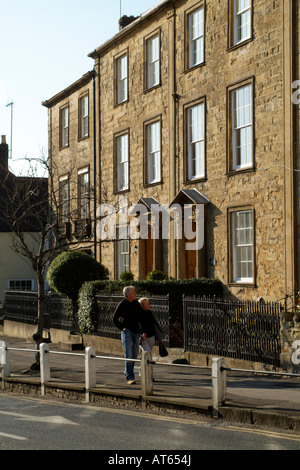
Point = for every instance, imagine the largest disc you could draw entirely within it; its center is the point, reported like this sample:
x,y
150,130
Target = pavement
x,y
266,400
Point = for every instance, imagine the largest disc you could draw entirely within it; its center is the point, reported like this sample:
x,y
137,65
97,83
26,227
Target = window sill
x,y
64,147
83,138
240,170
200,179
116,105
194,67
240,44
121,191
154,87
155,183
250,285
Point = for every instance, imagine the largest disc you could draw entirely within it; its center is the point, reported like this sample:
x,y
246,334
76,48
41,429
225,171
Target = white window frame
x,y
65,126
153,61
84,116
123,251
122,79
242,246
196,141
122,149
11,281
64,202
196,37
242,127
242,21
84,191
154,152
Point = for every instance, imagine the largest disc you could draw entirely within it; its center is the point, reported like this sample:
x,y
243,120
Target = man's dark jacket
x,y
129,315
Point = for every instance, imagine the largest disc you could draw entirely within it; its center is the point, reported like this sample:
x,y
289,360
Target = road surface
x,y
39,424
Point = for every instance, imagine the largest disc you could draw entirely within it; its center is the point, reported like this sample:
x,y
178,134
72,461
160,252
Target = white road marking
x,y
39,419
13,436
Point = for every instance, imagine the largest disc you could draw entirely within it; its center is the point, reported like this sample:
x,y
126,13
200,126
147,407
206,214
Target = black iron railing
x,y
108,304
22,307
242,330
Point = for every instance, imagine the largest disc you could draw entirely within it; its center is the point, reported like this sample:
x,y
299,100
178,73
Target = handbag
x,y
162,350
159,336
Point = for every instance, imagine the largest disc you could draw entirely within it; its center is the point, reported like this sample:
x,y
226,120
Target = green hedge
x,y
70,269
87,312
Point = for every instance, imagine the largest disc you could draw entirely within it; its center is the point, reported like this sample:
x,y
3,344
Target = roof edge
x,y
131,27
69,90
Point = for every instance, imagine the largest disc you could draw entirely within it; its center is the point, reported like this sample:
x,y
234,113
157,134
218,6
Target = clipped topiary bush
x,y
70,270
156,275
127,276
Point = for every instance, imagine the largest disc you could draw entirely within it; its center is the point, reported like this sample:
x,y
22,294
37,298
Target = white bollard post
x,y
44,365
90,371
4,359
218,384
146,374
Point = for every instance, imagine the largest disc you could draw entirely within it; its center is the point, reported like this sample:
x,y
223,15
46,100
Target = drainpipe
x,y
172,130
97,152
95,166
175,158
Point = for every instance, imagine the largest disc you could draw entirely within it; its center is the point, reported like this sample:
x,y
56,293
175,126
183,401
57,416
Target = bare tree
x,y
37,218
46,215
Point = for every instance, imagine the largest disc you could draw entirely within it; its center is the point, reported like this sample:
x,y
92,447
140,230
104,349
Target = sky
x,y
44,49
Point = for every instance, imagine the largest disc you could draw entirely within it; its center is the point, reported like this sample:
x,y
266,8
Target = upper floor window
x,y
84,117
195,141
64,127
122,162
240,127
121,79
240,18
153,153
153,62
195,37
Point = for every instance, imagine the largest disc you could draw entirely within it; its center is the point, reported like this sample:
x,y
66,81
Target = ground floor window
x,y
242,246
20,284
123,251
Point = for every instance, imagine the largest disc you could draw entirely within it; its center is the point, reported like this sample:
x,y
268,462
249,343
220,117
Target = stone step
x,y
75,338
175,354
73,343
70,346
46,338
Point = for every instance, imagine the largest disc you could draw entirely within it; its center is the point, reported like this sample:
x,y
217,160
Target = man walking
x,y
128,318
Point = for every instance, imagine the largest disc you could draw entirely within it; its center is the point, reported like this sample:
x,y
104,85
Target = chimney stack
x,y
125,21
4,152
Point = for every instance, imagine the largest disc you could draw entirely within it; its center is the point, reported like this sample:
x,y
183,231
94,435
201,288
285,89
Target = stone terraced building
x,y
192,103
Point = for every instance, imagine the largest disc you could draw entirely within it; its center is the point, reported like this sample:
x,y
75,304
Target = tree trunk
x,y
38,336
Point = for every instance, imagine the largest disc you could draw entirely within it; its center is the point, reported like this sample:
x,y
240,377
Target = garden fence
x,y
235,329
242,330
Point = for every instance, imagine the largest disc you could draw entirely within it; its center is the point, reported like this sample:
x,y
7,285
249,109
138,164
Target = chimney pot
x,y
126,20
4,152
